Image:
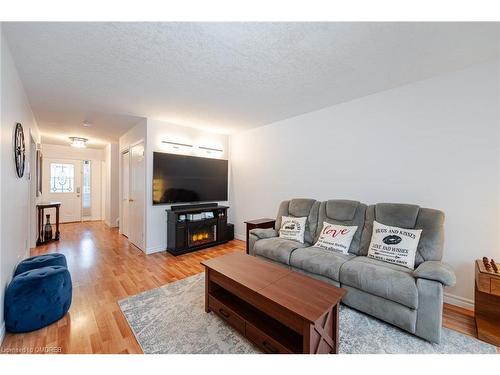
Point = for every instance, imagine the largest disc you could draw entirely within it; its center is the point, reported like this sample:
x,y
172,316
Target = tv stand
x,y
195,227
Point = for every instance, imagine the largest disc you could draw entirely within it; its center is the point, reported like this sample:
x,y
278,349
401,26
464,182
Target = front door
x,y
62,182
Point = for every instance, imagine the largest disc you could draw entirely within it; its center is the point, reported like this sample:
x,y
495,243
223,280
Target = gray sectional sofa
x,y
409,299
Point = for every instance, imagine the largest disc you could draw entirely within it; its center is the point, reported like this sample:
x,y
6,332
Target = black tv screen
x,y
181,178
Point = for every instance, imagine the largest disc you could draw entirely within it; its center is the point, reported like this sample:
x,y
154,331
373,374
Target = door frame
x,y
126,150
129,149
33,187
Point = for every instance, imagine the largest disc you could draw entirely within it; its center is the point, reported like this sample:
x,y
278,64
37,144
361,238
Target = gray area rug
x,y
172,319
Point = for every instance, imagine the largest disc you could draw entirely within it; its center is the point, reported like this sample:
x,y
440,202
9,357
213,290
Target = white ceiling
x,y
223,76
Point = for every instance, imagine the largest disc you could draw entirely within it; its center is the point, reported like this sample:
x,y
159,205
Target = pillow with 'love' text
x,y
336,237
394,245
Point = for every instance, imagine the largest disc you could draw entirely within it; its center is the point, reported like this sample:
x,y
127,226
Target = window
x,y
86,202
62,178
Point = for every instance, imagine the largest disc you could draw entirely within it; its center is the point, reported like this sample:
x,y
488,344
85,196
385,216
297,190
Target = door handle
x,y
130,200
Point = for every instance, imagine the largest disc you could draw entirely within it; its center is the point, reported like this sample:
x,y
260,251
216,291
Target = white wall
x,y
96,157
158,131
112,201
2,324
434,143
15,196
75,153
153,132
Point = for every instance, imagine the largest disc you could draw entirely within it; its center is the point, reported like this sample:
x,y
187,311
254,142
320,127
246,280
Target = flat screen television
x,y
181,178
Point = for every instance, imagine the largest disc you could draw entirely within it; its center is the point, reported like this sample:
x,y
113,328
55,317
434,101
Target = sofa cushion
x,y
277,249
300,207
390,281
264,232
336,237
394,245
293,228
319,261
430,246
343,212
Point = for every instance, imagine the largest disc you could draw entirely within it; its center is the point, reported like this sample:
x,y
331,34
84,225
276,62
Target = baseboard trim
x,y
2,332
465,303
111,225
241,237
155,249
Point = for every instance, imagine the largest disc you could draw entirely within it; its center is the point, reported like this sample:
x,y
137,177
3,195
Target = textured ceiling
x,y
224,76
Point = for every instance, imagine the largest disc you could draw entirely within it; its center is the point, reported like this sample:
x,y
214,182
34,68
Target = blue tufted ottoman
x,y
39,261
37,298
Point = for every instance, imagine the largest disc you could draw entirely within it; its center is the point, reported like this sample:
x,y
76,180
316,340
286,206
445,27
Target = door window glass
x,y
62,178
86,198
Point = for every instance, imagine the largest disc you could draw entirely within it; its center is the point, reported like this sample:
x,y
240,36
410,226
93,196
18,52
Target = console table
x,y
40,208
258,223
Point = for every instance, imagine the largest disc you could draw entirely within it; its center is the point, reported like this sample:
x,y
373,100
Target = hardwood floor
x,y
105,268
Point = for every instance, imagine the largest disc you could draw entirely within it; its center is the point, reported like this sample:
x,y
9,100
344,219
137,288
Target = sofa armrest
x,y
262,233
437,271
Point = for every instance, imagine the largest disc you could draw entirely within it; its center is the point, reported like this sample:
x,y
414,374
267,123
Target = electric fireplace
x,y
194,227
203,235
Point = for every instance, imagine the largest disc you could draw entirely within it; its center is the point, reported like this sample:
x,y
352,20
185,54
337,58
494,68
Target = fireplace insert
x,y
202,235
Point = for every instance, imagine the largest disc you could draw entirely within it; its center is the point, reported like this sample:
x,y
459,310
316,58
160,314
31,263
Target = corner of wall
x,y
2,332
240,236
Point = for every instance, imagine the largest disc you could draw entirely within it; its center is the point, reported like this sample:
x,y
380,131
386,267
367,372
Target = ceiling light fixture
x,y
87,124
78,142
210,149
176,144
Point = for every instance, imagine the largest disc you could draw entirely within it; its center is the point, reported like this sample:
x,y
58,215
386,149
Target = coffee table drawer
x,y
263,341
495,287
226,314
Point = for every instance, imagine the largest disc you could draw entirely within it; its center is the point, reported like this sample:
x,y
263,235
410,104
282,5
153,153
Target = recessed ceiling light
x,y
78,142
87,125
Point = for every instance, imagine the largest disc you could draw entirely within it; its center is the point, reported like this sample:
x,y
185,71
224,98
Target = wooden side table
x,y
487,304
41,207
258,223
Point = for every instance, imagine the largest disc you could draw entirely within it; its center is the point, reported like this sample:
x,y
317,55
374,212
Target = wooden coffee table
x,y
279,310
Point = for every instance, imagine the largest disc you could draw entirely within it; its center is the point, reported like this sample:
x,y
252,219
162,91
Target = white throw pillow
x,y
336,237
394,245
293,228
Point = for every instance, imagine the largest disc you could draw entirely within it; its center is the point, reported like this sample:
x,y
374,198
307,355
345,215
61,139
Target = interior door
x,y
136,197
124,223
62,182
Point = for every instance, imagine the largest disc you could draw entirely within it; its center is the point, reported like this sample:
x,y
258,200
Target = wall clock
x,y
19,150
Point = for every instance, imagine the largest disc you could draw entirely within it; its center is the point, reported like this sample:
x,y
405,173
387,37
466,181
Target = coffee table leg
x,y
322,336
207,288
335,328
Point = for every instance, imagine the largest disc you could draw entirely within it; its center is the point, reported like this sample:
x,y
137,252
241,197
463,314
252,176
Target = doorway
x,y
124,223
136,196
